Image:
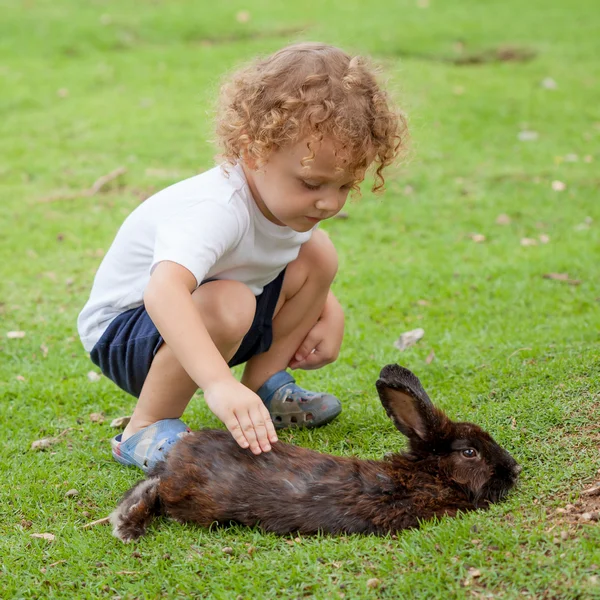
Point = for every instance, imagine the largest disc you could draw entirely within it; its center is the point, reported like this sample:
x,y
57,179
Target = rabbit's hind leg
x,y
137,508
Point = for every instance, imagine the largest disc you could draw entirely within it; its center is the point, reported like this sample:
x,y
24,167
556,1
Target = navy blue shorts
x,y
126,349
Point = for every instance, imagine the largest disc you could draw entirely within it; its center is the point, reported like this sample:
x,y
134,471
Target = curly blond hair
x,y
310,90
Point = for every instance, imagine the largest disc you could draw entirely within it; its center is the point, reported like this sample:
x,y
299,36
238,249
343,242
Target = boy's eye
x,y
308,186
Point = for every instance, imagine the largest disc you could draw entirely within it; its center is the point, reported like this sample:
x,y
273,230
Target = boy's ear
x,y
248,159
406,402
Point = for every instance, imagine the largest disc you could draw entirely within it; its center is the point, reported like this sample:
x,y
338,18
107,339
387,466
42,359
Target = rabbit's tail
x,y
135,511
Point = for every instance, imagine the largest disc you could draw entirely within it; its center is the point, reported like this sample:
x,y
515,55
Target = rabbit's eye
x,y
469,453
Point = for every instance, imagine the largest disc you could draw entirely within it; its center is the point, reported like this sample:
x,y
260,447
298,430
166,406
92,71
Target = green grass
x,y
88,87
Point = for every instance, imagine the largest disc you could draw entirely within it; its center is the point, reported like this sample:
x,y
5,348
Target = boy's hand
x,y
243,413
322,344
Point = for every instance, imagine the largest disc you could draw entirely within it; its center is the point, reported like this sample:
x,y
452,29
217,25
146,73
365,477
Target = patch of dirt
x,y
584,510
462,57
500,54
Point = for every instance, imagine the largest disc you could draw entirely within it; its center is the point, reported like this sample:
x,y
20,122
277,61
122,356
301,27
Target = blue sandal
x,y
292,406
149,445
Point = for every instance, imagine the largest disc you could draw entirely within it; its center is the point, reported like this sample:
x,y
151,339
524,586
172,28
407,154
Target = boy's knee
x,y
320,256
226,306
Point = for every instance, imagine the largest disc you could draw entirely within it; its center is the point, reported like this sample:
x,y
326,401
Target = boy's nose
x,y
330,203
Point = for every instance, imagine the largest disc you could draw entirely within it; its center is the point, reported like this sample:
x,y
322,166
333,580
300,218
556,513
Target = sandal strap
x,y
149,445
267,390
292,406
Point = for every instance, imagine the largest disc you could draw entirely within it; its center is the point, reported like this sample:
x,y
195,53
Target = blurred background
x,y
487,237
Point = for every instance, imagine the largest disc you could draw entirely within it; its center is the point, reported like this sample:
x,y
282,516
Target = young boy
x,y
228,267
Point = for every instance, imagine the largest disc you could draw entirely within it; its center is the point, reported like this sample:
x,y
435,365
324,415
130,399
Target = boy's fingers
x,y
312,361
248,429
306,348
303,354
260,429
237,433
271,433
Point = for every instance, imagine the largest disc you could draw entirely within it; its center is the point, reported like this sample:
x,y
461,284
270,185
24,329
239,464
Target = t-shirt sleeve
x,y
197,237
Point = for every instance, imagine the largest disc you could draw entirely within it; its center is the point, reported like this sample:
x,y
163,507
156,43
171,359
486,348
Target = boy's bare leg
x,y
227,309
304,291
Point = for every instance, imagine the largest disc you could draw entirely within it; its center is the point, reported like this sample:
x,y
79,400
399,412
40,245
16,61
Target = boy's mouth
x,y
314,220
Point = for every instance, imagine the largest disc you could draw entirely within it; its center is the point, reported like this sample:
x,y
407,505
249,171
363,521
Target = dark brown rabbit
x,y
208,478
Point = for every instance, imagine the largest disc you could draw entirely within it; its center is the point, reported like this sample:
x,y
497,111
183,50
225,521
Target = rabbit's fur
x,y
208,478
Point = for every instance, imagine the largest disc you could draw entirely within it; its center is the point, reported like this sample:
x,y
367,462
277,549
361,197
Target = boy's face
x,y
288,193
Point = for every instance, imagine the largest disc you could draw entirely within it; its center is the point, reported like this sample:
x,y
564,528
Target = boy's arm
x,y
168,301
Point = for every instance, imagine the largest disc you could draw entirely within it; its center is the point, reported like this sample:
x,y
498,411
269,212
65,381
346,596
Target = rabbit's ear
x,y
406,402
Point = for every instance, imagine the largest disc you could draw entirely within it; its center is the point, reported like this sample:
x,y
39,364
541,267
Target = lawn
x,y
500,189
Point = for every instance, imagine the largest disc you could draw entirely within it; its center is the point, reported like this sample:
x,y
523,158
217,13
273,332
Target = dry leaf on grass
x,y
528,242
409,338
527,136
15,335
430,358
564,277
97,418
120,422
43,443
47,442
373,583
503,219
559,186
478,238
93,376
44,536
472,574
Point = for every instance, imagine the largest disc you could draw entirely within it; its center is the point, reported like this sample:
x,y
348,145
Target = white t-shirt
x,y
209,224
